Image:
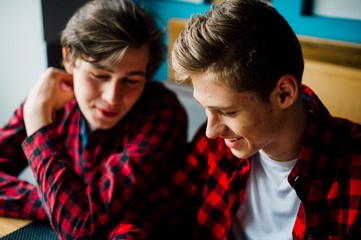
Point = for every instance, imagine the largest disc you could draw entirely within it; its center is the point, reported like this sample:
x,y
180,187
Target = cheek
x,y
84,90
261,126
250,127
132,96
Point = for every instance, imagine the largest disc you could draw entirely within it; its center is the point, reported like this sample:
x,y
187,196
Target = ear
x,y
287,90
68,65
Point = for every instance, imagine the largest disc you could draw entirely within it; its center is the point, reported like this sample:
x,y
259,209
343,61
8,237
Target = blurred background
x,y
30,31
22,52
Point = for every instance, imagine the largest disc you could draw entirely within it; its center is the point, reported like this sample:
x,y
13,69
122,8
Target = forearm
x,y
131,227
45,97
17,198
62,190
20,199
34,120
126,231
74,208
83,207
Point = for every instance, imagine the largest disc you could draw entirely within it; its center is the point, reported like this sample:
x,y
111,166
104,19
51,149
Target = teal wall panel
x,y
291,10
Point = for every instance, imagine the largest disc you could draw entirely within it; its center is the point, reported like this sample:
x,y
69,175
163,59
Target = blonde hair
x,y
245,44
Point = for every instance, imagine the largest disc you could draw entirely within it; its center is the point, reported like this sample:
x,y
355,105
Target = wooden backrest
x,y
333,71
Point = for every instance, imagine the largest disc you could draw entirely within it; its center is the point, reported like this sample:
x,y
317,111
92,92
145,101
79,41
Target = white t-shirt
x,y
270,207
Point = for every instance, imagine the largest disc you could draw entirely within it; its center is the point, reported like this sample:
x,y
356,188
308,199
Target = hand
x,y
51,92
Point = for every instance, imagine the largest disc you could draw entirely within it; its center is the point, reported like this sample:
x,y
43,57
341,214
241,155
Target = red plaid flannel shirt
x,y
326,177
87,191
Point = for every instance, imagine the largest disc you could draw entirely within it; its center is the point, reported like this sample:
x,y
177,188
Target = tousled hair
x,y
246,44
105,29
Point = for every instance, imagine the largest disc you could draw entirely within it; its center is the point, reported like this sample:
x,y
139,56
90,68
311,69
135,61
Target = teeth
x,y
234,139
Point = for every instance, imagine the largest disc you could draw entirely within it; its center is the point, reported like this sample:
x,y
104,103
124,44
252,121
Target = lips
x,y
232,142
107,113
234,139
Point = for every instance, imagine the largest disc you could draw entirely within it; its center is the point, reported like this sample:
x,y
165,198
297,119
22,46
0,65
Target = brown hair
x,y
105,29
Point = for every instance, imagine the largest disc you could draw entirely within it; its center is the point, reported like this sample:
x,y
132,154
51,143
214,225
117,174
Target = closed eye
x,y
99,77
227,114
219,110
131,81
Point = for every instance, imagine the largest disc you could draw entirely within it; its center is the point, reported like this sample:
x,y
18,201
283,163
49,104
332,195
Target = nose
x,y
112,92
214,125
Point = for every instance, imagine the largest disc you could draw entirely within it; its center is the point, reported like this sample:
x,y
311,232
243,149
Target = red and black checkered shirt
x,y
326,178
87,190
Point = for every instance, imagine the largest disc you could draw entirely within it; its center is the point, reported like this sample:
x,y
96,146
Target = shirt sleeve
x,y
18,198
132,227
81,210
127,231
180,197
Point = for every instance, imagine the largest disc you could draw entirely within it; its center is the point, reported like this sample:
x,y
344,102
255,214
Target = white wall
x,y
22,52
348,9
196,113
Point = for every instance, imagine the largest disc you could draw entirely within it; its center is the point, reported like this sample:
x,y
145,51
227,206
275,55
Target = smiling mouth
x,y
234,139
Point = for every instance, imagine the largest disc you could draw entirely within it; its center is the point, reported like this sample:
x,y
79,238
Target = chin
x,y
241,154
103,125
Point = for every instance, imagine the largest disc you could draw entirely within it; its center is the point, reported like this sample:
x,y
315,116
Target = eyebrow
x,y
218,108
101,67
140,73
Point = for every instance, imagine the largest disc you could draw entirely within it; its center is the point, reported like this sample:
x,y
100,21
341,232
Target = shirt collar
x,y
311,162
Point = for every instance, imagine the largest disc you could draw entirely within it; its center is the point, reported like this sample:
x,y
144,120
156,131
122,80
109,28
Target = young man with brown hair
x,y
98,136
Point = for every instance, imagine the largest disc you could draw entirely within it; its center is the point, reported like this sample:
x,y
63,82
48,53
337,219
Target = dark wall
x,y
55,16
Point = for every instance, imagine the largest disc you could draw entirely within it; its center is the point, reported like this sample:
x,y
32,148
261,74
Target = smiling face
x,y
105,96
245,122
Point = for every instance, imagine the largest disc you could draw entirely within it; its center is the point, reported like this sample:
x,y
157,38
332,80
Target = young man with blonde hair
x,y
272,162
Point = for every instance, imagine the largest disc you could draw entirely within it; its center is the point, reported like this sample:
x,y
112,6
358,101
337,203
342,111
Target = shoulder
x,y
346,147
346,134
157,92
157,98
66,112
347,127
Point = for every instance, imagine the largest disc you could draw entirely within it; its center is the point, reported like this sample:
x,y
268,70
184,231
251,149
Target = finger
x,y
65,80
66,86
69,95
63,98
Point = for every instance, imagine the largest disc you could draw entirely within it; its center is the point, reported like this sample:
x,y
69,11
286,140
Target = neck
x,y
289,142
